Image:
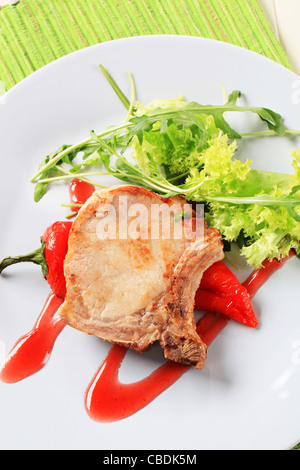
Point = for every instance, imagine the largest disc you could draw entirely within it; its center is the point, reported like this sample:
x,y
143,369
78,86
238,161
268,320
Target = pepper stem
x,y
36,257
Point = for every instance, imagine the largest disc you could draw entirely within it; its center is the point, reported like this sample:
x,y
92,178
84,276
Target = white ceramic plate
x,y
247,396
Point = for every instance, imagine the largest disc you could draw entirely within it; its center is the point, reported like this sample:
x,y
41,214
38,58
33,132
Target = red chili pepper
x,y
50,256
220,291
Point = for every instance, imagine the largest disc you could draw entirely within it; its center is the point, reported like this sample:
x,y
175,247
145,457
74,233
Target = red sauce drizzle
x,y
106,398
259,276
32,351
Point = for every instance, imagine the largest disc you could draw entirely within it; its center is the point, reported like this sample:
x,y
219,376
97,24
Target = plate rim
x,y
154,37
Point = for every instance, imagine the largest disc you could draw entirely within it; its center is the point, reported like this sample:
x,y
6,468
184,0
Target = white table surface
x,y
284,16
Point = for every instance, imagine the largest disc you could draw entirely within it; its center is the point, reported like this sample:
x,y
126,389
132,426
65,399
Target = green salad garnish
x,y
177,147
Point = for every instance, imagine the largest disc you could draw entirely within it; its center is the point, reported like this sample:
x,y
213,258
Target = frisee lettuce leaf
x,y
257,209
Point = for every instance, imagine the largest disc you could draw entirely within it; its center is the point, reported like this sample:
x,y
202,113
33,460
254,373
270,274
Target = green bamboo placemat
x,y
36,32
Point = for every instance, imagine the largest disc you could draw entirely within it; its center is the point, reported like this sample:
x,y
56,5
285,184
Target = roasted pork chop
x,y
134,263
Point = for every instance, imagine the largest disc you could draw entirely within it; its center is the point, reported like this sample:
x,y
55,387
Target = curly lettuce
x,y
258,210
177,150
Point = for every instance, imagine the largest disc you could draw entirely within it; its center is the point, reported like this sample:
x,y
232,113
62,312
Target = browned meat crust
x,y
137,290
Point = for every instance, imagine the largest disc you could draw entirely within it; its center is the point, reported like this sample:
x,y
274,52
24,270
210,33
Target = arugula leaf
x,y
185,115
192,115
115,87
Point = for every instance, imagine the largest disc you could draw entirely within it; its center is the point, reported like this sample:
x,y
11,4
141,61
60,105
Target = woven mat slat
x,y
36,32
